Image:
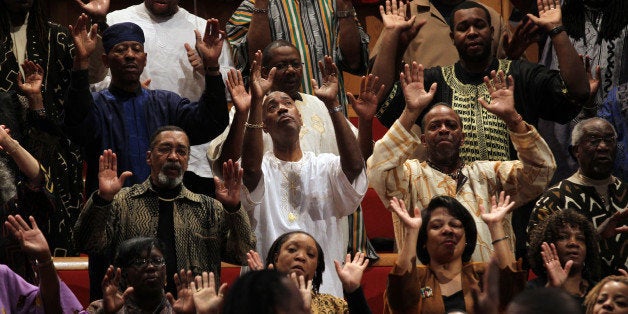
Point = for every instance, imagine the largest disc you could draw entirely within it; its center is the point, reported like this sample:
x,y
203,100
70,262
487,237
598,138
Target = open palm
x,y
412,83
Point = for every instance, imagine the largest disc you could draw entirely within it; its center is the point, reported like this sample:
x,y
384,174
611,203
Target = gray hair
x,y
578,130
7,182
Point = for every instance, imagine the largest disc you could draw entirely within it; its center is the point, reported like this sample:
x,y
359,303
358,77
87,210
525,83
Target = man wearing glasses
x,y
593,191
198,231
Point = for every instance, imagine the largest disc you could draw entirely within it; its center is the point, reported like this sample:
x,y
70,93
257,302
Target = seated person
x,y
198,231
29,186
264,292
135,282
394,172
610,295
444,245
543,300
560,247
593,192
298,254
18,296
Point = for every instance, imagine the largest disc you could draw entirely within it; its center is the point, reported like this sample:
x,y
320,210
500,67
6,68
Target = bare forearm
x,y
349,40
350,156
365,138
232,147
501,245
49,285
407,252
258,35
25,161
385,63
408,118
253,148
571,68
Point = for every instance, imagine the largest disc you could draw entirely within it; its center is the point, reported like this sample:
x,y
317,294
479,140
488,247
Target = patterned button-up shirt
x,y
391,173
204,232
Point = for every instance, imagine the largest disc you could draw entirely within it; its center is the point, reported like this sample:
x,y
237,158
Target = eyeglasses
x,y
596,140
167,149
143,262
282,66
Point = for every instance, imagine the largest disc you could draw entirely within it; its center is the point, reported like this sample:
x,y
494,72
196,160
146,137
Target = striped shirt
x,y
311,25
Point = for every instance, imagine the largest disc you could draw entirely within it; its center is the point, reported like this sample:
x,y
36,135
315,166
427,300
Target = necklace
x,y
291,191
455,174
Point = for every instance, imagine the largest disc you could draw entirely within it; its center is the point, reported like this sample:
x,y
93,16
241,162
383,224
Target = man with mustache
x,y
198,231
540,92
174,64
123,116
593,191
393,172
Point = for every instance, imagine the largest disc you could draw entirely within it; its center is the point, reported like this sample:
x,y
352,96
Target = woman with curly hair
x,y
563,253
609,296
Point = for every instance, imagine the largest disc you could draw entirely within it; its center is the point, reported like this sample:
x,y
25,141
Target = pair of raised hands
x,y
196,294
350,273
365,105
109,183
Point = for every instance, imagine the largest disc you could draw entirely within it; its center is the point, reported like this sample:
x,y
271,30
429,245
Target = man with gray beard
x,y
198,231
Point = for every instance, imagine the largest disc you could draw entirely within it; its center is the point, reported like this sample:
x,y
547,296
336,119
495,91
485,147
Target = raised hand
x,y
328,92
305,288
350,273
409,223
590,108
195,60
32,240
228,189
614,224
365,105
206,300
84,40
499,209
185,301
30,84
412,82
556,274
394,16
525,35
260,85
502,91
550,14
95,8
109,184
235,84
254,260
210,46
112,299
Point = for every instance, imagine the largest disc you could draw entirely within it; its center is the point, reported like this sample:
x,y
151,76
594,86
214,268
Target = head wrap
x,y
121,32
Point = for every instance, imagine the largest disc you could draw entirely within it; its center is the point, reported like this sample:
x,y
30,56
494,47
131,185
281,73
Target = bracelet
x,y
347,13
500,239
335,109
212,69
557,30
254,126
257,10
